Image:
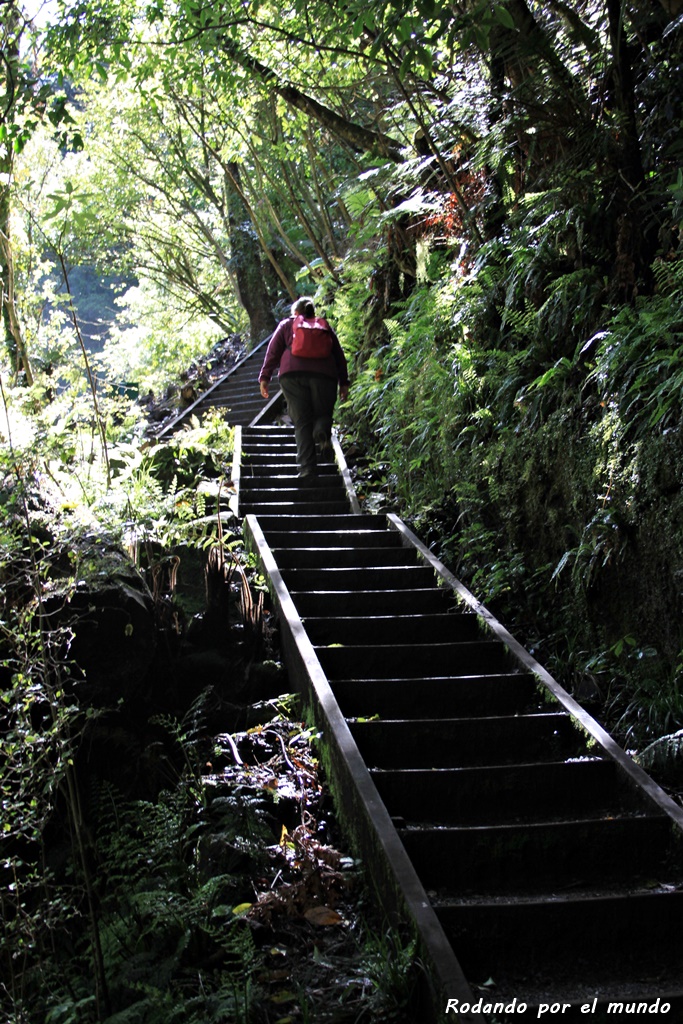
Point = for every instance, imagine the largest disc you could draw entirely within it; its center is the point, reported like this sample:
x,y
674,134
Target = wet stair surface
x,y
551,862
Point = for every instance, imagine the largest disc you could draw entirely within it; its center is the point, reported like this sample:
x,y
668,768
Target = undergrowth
x,y
169,851
529,428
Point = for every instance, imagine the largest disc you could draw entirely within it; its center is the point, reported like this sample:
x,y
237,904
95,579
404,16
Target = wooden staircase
x,y
537,864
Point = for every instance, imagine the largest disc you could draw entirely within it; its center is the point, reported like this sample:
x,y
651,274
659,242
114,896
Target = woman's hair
x,y
303,307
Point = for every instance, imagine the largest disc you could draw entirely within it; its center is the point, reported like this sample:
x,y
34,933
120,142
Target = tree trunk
x,y
9,46
624,98
634,251
246,263
495,214
14,338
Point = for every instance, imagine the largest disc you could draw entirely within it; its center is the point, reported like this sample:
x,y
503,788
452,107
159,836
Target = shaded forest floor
x,y
190,868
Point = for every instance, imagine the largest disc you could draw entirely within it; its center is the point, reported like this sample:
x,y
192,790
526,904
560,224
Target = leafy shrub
x,y
639,356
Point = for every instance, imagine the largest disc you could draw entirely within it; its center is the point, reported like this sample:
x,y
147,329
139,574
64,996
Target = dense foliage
x,y
168,851
486,198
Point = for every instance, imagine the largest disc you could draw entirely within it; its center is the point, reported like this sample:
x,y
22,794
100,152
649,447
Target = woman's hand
x,y
264,389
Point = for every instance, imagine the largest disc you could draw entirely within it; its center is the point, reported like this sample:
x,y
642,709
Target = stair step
x,y
535,858
370,602
332,538
274,448
270,431
237,400
328,479
415,661
514,942
260,461
552,791
383,629
344,557
390,578
257,441
461,697
261,436
309,503
468,742
307,523
275,476
303,490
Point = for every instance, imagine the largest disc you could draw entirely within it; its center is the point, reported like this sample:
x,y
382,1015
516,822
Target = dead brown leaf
x,y
323,916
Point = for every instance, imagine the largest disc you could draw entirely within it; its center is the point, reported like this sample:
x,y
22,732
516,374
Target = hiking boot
x,y
323,442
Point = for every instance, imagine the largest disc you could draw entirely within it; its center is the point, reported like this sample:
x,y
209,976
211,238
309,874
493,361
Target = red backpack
x,y
311,338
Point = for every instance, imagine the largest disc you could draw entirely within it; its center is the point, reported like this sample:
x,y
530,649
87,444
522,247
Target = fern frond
x,y
664,754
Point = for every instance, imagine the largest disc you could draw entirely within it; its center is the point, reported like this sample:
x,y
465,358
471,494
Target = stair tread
x,y
656,889
552,717
618,818
535,765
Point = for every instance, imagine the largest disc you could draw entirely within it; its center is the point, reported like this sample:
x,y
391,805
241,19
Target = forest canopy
x,y
236,154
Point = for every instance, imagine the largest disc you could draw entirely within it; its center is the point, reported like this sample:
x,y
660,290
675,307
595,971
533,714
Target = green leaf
x,y
405,29
504,16
61,204
241,909
421,55
84,218
405,65
481,37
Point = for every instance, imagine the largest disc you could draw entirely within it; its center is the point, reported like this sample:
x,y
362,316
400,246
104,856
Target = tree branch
x,y
361,139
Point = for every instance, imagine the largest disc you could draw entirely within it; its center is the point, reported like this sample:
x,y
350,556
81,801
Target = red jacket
x,y
279,354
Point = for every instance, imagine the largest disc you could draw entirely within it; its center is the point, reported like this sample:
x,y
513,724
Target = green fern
x,y
664,755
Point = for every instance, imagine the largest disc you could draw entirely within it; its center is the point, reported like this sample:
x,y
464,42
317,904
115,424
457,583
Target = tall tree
x,y
17,89
246,260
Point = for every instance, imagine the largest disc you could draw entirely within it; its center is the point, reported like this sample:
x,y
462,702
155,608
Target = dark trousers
x,y
310,402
